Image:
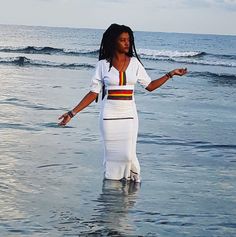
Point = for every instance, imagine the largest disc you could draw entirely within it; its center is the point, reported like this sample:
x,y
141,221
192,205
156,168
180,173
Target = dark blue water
x,y
51,181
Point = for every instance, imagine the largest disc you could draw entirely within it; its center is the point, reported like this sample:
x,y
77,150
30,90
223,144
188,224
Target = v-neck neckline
x,y
126,67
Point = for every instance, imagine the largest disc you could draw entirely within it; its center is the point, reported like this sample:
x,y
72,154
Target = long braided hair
x,y
108,43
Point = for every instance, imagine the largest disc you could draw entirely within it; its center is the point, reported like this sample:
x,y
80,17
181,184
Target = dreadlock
x,y
108,44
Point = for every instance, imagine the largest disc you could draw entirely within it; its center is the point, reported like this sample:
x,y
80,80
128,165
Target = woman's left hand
x,y
179,71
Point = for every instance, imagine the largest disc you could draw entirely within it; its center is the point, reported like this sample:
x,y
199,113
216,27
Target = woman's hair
x,y
109,39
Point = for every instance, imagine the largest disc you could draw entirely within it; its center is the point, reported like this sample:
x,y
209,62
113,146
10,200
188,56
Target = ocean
x,y
51,178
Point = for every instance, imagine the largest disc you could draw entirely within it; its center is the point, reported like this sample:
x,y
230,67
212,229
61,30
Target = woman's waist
x,y
120,92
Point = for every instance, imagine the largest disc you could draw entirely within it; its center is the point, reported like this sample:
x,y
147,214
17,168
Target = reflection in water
x,y
110,214
114,204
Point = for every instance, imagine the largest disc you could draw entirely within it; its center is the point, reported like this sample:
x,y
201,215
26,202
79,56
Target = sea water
x,y
51,178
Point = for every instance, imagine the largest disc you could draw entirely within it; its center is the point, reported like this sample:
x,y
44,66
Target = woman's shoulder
x,y
135,59
102,60
103,63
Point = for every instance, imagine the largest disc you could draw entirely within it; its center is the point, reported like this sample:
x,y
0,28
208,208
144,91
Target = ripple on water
x,y
11,227
53,165
228,225
217,146
203,146
53,125
26,104
18,126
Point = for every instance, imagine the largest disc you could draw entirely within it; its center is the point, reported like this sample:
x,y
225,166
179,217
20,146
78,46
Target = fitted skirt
x,y
119,129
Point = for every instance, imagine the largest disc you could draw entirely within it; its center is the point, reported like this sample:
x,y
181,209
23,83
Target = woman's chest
x,y
116,78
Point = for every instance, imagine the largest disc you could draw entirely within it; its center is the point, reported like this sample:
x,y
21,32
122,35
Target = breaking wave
x,y
23,61
47,50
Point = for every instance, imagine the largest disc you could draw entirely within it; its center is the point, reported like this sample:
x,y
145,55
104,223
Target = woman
x,y
116,73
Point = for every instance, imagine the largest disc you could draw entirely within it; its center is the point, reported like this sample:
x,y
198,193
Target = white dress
x,y
118,117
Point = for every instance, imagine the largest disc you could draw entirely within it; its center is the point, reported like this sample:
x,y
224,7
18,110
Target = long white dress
x,y
118,117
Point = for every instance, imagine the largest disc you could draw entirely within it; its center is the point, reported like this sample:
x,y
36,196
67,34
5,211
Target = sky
x,y
183,16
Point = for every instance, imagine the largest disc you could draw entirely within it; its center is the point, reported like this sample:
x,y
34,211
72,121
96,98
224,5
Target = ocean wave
x,y
203,62
47,50
155,54
23,61
189,57
206,62
225,76
224,56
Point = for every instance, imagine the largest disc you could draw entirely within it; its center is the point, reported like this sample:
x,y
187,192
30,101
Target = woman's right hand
x,y
88,99
65,119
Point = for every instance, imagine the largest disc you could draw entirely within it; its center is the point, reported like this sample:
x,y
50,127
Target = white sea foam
x,y
154,54
192,57
209,62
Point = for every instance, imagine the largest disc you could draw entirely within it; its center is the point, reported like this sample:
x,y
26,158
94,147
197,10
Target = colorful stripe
x,y
120,94
122,79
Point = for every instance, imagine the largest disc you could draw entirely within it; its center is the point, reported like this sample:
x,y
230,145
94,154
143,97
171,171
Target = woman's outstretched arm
x,y
87,100
153,85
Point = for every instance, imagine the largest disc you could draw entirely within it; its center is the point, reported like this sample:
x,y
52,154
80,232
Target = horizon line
x,y
91,28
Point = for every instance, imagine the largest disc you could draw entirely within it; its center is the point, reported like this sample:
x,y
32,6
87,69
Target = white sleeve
x,y
143,77
96,82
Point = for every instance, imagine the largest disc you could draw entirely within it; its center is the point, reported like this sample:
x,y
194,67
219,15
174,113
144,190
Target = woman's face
x,y
123,43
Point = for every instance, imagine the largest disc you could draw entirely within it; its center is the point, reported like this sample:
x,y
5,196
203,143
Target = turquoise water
x,y
51,181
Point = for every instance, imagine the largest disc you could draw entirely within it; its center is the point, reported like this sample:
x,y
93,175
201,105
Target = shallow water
x,y
51,181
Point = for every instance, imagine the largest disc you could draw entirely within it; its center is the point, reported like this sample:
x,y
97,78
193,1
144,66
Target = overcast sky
x,y
193,16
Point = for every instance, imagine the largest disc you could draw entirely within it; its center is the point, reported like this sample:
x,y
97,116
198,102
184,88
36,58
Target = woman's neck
x,y
120,56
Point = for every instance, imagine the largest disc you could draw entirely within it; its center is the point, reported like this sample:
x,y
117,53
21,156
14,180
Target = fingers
x,y
60,124
185,71
63,116
182,71
65,119
63,122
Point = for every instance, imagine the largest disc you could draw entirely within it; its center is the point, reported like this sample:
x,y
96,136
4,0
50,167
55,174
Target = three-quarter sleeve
x,y
142,76
96,82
